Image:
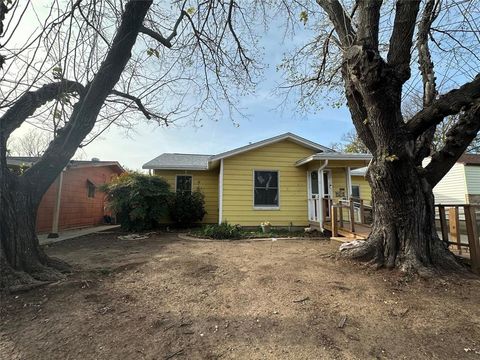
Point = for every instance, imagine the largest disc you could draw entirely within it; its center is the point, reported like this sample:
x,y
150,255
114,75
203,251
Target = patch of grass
x,y
105,271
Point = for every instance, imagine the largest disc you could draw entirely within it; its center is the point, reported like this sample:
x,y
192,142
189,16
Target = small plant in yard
x,y
221,231
139,201
187,208
266,226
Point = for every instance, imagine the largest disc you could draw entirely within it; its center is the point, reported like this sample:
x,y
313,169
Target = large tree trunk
x,y
22,260
404,233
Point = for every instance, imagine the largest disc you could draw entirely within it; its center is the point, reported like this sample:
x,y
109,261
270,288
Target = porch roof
x,y
334,156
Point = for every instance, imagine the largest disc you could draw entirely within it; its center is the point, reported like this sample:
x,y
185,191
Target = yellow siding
x,y
206,181
238,185
365,191
339,182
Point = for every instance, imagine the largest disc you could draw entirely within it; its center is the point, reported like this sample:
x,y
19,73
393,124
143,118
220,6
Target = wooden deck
x,y
360,231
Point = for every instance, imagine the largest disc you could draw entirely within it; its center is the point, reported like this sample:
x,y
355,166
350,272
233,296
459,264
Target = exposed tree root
x,y
374,253
58,264
36,275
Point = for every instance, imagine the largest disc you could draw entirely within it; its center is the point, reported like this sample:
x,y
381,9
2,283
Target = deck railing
x,y
458,228
346,214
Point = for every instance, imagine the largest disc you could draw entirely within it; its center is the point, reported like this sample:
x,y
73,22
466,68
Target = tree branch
x,y
149,115
401,41
29,102
85,112
450,103
157,35
340,20
430,13
367,33
458,139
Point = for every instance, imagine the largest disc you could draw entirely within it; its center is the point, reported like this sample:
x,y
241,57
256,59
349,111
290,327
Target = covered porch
x,y
331,195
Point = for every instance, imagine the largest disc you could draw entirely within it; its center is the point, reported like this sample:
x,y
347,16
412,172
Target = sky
x,y
263,120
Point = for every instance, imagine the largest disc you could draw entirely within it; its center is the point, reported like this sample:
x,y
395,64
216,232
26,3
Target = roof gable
x,y
287,136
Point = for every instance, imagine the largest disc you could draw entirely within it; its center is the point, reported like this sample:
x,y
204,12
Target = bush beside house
x,y
187,208
144,202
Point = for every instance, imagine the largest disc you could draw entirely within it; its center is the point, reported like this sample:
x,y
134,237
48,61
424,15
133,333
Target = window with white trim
x,y
184,184
265,189
356,191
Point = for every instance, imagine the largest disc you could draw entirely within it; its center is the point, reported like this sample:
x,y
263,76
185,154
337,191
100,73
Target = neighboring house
x,y
286,180
461,185
73,200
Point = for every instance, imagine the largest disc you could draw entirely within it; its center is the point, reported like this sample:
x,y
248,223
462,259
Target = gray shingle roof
x,y
179,162
175,161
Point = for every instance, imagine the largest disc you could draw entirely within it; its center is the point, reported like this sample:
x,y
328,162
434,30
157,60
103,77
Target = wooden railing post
x,y
352,216
340,216
443,223
362,212
333,217
454,223
472,233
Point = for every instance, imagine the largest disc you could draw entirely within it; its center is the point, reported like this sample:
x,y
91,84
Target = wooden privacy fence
x,y
459,229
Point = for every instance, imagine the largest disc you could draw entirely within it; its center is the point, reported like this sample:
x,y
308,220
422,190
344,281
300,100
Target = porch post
x,y
320,197
220,193
309,196
348,175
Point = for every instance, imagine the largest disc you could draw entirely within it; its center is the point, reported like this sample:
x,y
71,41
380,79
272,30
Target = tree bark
x,y
403,235
22,260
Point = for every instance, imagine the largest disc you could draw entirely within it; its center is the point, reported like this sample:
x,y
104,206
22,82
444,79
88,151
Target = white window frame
x,y
266,207
191,182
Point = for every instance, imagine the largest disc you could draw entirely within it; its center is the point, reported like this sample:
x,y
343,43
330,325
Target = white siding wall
x,y
452,189
472,174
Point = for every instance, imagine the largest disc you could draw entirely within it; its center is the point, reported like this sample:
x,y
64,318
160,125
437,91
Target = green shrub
x,y
222,231
187,208
139,201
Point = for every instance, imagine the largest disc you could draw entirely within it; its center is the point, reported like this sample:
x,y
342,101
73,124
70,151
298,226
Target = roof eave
x,y
156,167
334,156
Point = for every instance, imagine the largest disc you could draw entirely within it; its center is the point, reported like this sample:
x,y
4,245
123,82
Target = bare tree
x,y
350,143
94,64
371,48
32,144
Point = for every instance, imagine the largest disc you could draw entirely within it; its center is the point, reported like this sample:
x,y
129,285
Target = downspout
x,y
56,211
320,190
220,193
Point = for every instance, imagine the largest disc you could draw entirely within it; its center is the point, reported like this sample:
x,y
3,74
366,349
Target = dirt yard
x,y
167,298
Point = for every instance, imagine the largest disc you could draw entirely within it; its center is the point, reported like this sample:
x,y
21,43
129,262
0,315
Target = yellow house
x,y
286,180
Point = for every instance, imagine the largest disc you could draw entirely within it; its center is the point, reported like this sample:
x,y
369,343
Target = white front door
x,y
313,196
326,192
